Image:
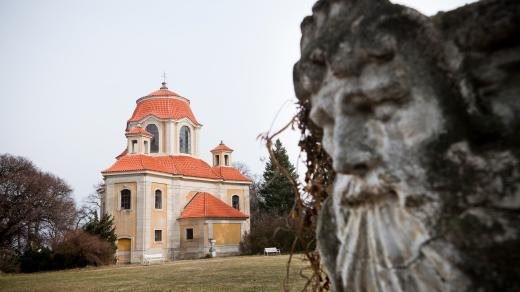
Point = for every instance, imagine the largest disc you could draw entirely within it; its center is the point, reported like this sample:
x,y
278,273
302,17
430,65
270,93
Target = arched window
x,y
185,140
125,199
158,199
154,145
235,202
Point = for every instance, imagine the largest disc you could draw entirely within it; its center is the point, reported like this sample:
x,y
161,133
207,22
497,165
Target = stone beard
x,y
418,184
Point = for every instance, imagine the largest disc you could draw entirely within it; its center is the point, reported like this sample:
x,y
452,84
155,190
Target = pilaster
x,y
108,197
142,226
174,223
169,138
175,138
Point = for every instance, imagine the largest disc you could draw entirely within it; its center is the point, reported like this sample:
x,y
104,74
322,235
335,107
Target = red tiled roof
x,y
176,164
183,165
139,130
190,166
122,154
205,205
163,108
163,92
222,147
139,162
229,173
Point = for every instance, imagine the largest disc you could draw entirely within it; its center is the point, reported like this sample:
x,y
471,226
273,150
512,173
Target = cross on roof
x,y
164,81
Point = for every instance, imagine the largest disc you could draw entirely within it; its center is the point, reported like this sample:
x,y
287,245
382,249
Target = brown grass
x,y
244,273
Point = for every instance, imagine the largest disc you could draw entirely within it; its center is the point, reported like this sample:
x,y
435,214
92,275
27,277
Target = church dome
x,y
163,104
163,91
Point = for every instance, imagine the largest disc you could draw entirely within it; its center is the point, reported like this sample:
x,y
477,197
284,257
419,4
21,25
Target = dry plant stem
x,y
294,212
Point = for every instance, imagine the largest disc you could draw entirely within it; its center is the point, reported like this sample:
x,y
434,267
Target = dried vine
x,y
318,179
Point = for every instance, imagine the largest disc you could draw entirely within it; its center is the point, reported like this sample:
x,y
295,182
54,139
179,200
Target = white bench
x,y
270,250
149,258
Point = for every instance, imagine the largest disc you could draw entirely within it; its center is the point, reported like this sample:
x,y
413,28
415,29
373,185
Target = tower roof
x,y
205,205
163,91
163,108
222,147
163,104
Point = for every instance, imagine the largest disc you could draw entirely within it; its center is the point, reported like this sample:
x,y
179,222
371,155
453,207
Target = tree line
x,y
41,228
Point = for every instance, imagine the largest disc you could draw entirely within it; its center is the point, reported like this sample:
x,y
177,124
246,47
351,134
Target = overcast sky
x,y
71,71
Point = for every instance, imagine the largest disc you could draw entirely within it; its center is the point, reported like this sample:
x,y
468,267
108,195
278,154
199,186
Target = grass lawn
x,y
242,273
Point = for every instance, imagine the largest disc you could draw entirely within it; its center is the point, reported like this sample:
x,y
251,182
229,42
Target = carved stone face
x,y
371,121
377,116
427,159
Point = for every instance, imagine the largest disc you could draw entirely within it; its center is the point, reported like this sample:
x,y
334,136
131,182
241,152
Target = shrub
x,y
34,260
79,249
8,260
269,231
104,228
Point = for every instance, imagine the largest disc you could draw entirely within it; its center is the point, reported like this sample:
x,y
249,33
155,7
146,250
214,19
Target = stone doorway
x,y
124,246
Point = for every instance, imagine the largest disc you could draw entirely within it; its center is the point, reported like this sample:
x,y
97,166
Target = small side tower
x,y
221,155
138,141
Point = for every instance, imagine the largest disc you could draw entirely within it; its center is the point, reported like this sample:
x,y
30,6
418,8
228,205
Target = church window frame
x,y
185,140
235,202
155,142
126,199
226,160
158,199
158,235
189,234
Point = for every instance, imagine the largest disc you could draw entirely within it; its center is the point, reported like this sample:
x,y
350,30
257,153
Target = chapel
x,y
165,200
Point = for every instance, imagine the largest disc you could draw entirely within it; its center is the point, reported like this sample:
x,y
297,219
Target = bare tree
x,y
92,206
254,204
35,207
95,199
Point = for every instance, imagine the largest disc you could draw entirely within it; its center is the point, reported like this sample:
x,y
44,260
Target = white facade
x,y
178,195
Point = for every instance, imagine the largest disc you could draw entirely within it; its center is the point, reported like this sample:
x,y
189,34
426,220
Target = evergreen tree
x,y
276,193
103,228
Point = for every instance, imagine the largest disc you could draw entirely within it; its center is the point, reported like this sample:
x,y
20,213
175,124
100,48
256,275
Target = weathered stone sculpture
x,y
421,117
